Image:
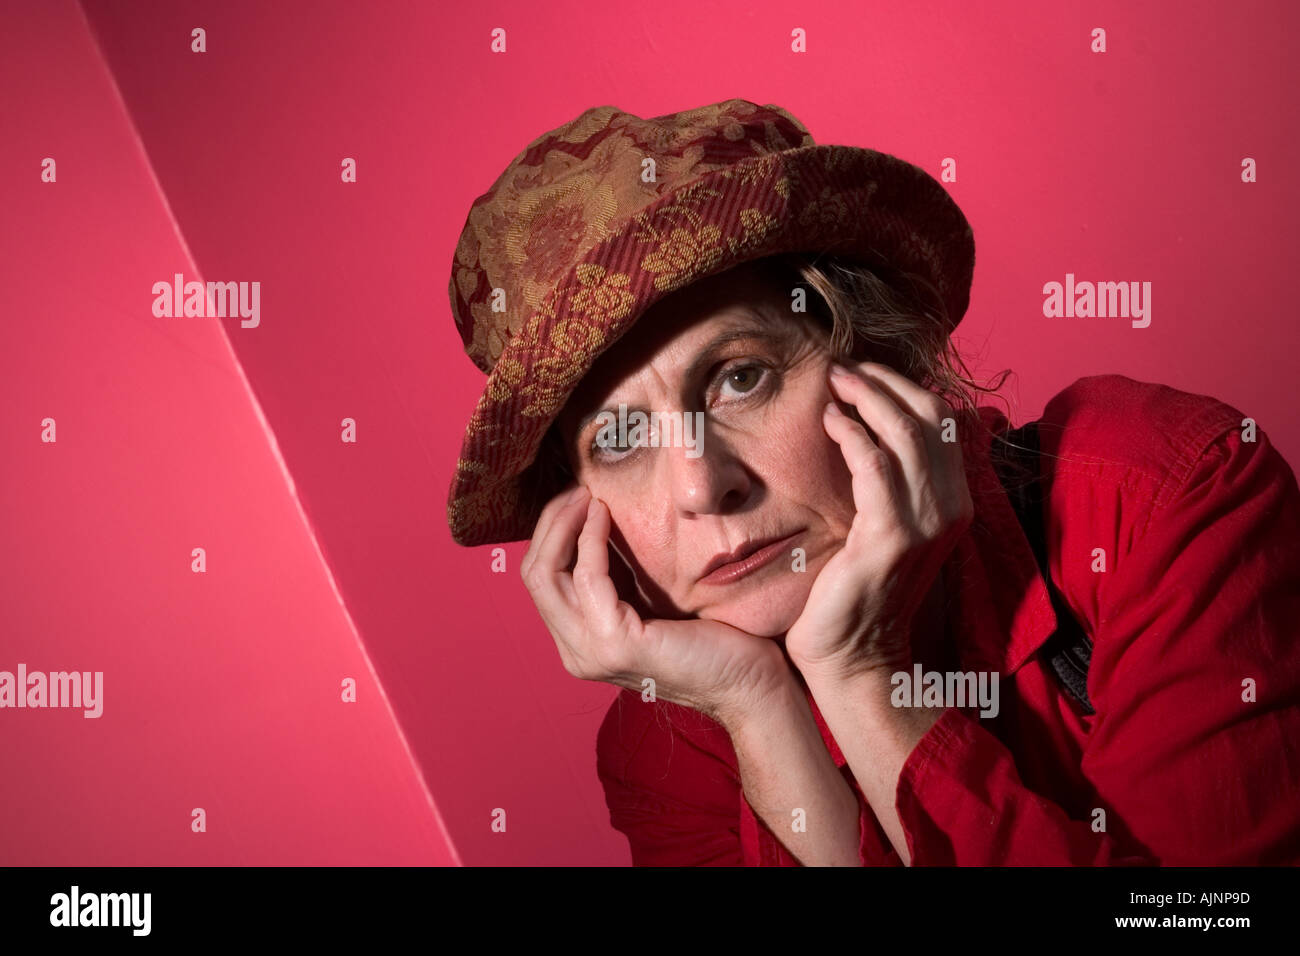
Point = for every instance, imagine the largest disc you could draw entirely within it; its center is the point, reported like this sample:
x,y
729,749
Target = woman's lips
x,y
726,573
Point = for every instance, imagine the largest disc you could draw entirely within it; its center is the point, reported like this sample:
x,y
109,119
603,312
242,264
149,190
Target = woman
x,y
834,637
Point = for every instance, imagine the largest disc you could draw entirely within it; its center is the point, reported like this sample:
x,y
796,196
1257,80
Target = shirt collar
x,y
1005,612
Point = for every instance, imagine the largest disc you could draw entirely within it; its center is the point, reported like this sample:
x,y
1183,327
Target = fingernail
x,y
833,409
837,369
591,508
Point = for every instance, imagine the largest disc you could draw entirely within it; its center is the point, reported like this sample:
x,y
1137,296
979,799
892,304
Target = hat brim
x,y
841,200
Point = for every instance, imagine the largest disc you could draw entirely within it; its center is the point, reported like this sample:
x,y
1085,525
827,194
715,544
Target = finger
x,y
548,577
898,433
921,402
875,487
543,523
561,498
597,597
544,531
948,469
924,405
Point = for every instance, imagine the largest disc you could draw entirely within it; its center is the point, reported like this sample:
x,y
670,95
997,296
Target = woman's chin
x,y
767,611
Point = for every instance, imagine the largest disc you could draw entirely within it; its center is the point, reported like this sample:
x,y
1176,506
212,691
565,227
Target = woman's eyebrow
x,y
751,330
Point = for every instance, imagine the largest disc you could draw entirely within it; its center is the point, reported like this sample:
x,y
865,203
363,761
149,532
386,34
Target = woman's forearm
x,y
876,739
785,767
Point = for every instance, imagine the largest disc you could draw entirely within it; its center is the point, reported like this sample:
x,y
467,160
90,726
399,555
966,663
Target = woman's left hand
x,y
912,503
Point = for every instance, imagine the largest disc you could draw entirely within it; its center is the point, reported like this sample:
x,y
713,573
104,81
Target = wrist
x,y
764,706
865,699
845,668
880,651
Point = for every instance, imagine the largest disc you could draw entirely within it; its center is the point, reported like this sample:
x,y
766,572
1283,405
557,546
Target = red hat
x,y
597,220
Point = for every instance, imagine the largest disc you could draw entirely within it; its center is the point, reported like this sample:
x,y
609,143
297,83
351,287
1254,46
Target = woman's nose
x,y
711,481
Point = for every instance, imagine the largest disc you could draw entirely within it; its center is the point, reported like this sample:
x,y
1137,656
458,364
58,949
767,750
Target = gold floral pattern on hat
x,y
683,252
602,296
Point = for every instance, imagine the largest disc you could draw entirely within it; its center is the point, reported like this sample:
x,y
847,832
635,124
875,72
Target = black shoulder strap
x,y
1069,649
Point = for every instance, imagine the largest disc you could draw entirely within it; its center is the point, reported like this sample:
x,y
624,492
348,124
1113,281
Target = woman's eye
x,y
743,379
610,449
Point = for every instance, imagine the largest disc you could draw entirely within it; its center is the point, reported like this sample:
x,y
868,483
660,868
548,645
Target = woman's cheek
x,y
798,446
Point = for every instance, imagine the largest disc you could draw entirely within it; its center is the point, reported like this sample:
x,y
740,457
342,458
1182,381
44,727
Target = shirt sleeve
x,y
665,832
1195,677
874,848
674,800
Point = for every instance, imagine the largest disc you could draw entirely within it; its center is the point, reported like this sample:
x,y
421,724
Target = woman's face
x,y
764,470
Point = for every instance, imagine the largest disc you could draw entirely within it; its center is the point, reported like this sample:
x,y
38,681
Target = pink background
x,y
329,560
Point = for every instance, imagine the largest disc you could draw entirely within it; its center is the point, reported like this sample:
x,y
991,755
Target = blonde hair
x,y
896,318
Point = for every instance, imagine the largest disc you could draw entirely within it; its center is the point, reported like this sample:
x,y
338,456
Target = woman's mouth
x,y
750,560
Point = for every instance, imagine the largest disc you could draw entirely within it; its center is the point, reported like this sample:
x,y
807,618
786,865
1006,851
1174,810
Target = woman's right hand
x,y
711,667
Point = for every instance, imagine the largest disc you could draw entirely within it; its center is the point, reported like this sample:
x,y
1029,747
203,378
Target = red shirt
x,y
1200,591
